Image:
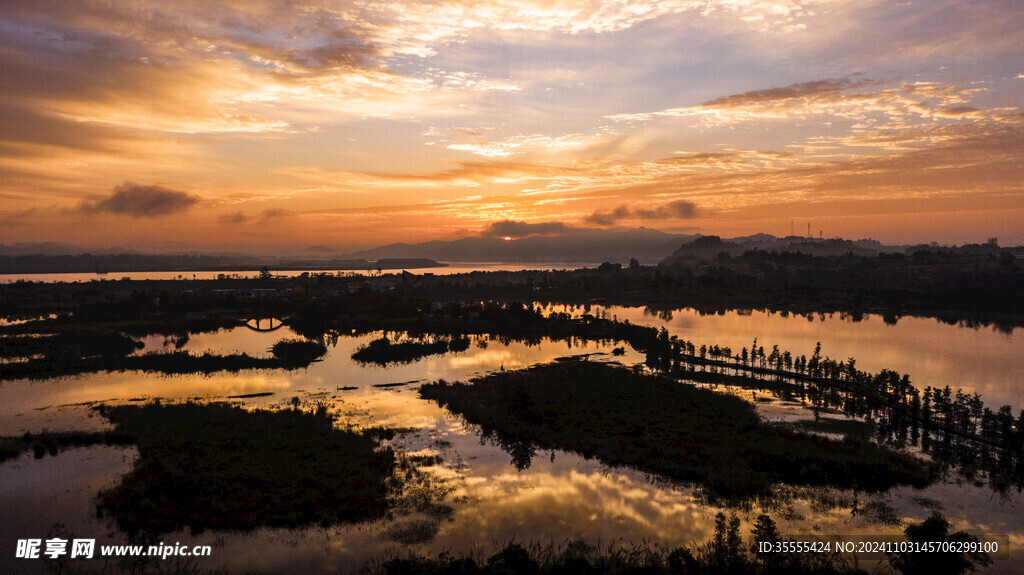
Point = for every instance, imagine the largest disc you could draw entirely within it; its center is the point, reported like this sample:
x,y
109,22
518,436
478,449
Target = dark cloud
x,y
261,218
21,125
677,210
139,201
509,228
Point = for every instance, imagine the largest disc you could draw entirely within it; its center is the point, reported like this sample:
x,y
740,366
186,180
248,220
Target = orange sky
x,y
246,125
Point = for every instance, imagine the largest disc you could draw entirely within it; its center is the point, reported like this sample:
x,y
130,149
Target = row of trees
x,y
955,428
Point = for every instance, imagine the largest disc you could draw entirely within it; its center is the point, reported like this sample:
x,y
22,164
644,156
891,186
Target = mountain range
x,y
578,245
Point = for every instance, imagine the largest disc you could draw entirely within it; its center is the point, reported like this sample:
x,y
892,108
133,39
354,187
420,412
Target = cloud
x,y
139,201
467,174
18,218
841,98
677,210
509,228
235,218
263,217
803,92
533,142
274,213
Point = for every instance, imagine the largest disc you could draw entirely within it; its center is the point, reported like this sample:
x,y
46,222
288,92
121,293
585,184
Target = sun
x,y
508,238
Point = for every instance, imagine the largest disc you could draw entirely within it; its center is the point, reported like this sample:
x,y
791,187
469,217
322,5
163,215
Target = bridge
x,y
264,324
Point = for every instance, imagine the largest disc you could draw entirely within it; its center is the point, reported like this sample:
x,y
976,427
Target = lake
x,y
560,497
449,269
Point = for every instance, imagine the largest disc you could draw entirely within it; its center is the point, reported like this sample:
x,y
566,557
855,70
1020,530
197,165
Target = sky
x,y
255,124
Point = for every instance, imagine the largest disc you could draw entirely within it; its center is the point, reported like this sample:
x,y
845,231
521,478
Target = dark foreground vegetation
x,y
726,553
658,426
218,466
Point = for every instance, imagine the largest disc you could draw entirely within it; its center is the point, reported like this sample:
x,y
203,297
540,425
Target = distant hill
x,y
707,248
578,245
41,248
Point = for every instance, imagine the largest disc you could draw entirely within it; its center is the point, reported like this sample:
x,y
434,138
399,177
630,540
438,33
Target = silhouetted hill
x,y
581,245
708,248
41,248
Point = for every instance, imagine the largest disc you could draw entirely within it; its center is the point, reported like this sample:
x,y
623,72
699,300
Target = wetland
x,y
380,430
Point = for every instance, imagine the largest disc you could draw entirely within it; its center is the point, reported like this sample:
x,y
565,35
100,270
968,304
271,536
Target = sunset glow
x,y
251,125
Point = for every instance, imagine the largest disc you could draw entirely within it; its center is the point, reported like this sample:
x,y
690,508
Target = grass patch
x,y
216,466
69,344
51,443
660,426
171,363
78,352
298,352
853,428
383,351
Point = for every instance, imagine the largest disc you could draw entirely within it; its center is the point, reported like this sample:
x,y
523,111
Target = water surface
x,y
560,497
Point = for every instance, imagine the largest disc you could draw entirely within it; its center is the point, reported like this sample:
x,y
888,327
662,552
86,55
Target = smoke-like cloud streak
x,y
509,228
677,210
140,201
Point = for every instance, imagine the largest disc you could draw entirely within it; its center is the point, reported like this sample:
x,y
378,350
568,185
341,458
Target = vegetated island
x,y
383,351
217,466
656,425
222,467
84,351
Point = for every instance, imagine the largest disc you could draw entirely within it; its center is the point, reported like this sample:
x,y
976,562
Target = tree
x,y
935,529
764,531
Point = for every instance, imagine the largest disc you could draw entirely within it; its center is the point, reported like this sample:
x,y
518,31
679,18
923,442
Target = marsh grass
x,y
69,344
659,426
298,352
50,442
726,553
288,354
851,428
216,466
383,351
